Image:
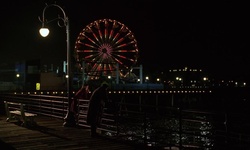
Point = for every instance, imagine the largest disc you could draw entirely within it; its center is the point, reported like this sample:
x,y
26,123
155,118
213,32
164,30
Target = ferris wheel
x,y
106,47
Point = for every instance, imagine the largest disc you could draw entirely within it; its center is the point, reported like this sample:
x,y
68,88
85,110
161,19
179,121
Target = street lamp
x,y
17,76
69,119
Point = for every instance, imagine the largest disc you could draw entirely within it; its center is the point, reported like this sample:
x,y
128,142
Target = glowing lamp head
x,y
44,32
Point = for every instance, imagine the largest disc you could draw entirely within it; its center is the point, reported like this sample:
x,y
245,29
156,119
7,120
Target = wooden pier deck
x,y
50,134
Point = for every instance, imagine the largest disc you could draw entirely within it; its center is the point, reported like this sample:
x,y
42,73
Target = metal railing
x,y
151,125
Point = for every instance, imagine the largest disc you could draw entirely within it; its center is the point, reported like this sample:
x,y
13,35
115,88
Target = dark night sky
x,y
208,35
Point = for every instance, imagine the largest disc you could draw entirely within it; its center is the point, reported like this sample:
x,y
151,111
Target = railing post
x,y
180,128
145,128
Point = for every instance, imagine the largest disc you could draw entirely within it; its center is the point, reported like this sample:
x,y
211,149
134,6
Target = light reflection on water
x,y
205,120
161,132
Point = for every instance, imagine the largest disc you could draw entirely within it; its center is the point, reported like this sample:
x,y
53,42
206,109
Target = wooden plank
x,y
50,134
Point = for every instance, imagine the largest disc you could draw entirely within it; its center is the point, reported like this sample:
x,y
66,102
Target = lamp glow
x,y
44,32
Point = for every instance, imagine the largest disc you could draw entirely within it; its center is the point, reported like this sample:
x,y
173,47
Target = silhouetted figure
x,y
96,105
82,93
71,117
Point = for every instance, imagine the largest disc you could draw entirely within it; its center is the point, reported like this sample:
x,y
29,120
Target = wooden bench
x,y
15,113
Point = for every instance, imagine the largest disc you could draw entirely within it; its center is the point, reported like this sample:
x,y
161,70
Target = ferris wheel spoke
x,y
116,37
122,45
95,68
87,45
106,29
126,58
111,38
97,25
104,67
119,62
111,66
108,68
89,39
95,36
91,57
102,45
111,34
111,59
125,44
123,38
125,51
112,30
118,33
85,51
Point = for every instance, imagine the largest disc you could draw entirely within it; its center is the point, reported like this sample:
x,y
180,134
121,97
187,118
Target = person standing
x,y
96,104
71,118
82,93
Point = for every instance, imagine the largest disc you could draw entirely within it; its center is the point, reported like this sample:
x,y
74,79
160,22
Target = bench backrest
x,y
10,106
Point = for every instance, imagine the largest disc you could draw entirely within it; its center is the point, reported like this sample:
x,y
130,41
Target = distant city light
x,y
205,78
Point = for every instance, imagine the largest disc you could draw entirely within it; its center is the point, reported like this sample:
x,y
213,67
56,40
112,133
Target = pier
x,y
157,119
51,135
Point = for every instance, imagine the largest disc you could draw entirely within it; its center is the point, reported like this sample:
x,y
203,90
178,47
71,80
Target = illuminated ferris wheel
x,y
106,47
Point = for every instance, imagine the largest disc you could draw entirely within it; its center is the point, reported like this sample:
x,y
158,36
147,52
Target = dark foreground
x,y
50,134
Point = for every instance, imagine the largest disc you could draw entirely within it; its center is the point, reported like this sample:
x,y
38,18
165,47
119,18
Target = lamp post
x,y
69,118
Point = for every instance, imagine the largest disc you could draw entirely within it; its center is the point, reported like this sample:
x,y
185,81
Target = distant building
x,y
51,81
30,76
187,78
196,78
